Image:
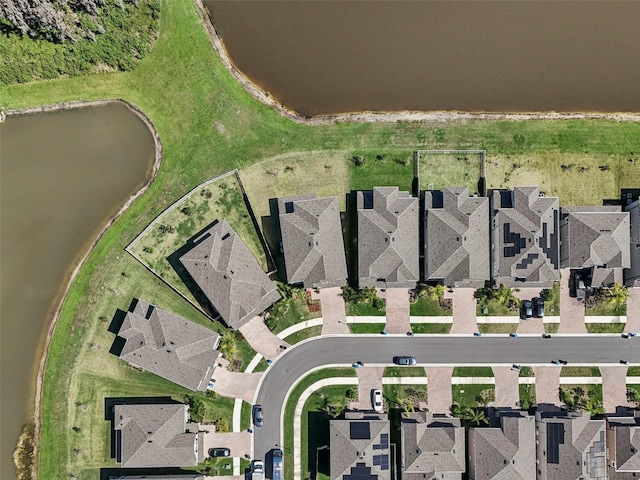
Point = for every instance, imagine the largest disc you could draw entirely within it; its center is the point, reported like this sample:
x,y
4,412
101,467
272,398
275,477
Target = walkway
x,y
633,310
262,339
614,387
571,309
507,387
334,318
398,310
464,310
547,385
369,378
439,395
236,384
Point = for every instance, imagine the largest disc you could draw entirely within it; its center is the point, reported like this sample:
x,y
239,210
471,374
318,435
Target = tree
x,y
228,346
197,408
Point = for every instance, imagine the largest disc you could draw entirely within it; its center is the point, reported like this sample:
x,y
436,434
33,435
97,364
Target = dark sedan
x,y
219,452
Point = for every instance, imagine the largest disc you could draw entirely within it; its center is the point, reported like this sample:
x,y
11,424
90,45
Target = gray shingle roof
x,y
155,436
388,227
525,237
349,450
312,241
571,446
625,447
433,446
595,237
505,453
456,237
169,346
229,275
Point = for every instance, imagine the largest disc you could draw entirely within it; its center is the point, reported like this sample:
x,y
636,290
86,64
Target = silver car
x,y
258,421
405,361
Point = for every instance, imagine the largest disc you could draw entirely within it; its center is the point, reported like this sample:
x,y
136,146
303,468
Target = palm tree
x,y
476,416
437,292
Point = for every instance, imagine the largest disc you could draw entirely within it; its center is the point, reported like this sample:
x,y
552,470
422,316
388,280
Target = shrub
x,y
197,408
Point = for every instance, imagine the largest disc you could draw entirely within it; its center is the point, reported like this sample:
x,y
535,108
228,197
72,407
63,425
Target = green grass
x,y
363,310
552,306
439,170
633,372
304,334
404,372
496,309
605,327
428,307
290,407
606,309
261,366
526,372
473,372
245,416
497,327
551,327
435,328
296,312
582,398
468,395
580,372
209,125
366,327
405,397
527,396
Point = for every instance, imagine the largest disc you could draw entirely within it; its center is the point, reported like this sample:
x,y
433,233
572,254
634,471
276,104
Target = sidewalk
x,y
261,339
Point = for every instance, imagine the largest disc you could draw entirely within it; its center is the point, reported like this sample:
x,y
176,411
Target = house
x,y
388,225
229,275
312,243
595,238
632,275
433,447
156,435
169,346
570,446
456,238
524,238
506,451
623,447
359,447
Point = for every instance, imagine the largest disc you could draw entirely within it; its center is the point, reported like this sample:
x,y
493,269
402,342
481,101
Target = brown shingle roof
x,y
154,436
525,237
433,446
456,237
312,241
229,275
169,346
387,238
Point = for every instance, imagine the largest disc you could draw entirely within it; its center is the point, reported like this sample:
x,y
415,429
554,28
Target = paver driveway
x,y
261,339
439,392
369,378
633,310
464,310
238,442
398,310
614,388
334,318
547,385
571,309
507,387
236,384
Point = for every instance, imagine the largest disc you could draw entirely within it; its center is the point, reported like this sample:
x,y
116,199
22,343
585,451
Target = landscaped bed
x,y
582,398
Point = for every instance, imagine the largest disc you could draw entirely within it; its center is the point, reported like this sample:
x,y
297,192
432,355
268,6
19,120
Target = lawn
x,y
606,309
289,311
428,307
366,327
405,397
527,396
434,328
439,170
473,396
551,327
605,327
582,398
209,125
304,334
473,372
404,372
497,327
364,310
580,372
245,416
552,305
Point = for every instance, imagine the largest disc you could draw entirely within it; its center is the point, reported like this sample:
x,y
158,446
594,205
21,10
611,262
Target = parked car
x,y
405,361
526,309
538,307
515,366
581,290
376,399
219,452
258,420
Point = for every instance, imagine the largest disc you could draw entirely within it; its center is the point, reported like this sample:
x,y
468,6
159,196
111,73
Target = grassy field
x,y
209,125
439,170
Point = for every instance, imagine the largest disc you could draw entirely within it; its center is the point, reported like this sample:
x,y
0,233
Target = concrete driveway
x,y
334,318
238,442
571,309
547,385
533,325
398,310
614,388
633,310
464,310
261,339
439,393
507,387
236,384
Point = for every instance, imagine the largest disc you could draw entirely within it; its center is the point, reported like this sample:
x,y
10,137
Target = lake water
x,y
321,57
62,175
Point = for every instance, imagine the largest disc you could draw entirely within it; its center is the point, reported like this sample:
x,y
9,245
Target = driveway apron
x,y
398,310
614,387
571,310
533,325
439,393
507,387
464,310
334,318
547,385
261,339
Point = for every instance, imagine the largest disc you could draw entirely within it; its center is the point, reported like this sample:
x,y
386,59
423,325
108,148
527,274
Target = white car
x,y
376,399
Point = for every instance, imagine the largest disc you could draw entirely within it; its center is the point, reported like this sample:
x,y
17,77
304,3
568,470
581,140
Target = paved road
x,y
429,350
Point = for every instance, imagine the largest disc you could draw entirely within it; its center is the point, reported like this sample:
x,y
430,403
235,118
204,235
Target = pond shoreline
x,y
61,296
452,116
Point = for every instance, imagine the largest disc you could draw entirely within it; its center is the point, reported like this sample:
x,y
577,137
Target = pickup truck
x,y
257,470
277,464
